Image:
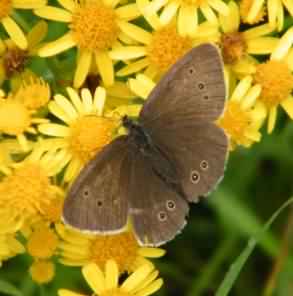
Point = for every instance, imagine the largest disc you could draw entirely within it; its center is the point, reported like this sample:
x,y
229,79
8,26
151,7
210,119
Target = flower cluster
x,y
64,91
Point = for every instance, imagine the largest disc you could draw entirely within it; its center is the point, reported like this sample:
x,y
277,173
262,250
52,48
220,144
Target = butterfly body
x,y
172,155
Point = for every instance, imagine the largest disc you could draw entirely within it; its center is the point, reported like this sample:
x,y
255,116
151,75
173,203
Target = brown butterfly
x,y
172,155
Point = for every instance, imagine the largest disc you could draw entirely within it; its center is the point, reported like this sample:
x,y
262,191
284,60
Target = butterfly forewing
x,y
193,89
98,199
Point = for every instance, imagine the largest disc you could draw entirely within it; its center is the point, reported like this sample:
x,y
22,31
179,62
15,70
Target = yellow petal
x,y
289,6
219,6
151,252
75,99
84,62
105,66
272,119
284,45
153,18
52,48
66,106
273,12
128,12
37,34
169,12
262,45
54,13
14,31
133,67
58,112
183,20
111,275
251,96
288,106
99,100
68,4
152,288
135,32
95,278
29,4
127,52
231,22
136,278
87,100
280,18
257,31
241,89
63,292
208,13
254,10
54,129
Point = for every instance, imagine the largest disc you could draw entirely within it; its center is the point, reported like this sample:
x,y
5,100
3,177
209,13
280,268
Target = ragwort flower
x,y
276,79
94,28
10,25
85,130
142,282
79,249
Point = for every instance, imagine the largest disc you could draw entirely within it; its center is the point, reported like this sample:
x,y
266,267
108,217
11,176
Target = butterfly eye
x,y
206,97
204,165
201,86
171,205
162,216
194,177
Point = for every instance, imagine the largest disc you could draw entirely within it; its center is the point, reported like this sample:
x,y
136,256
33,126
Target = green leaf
x,y
9,289
238,264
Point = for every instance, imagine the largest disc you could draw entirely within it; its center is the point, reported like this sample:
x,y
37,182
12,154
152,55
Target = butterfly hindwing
x,y
157,212
98,199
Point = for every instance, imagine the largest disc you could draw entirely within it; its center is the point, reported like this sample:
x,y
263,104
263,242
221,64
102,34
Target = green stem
x,y
209,272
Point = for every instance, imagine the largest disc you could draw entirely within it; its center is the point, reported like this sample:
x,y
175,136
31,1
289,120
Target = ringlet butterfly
x,y
172,155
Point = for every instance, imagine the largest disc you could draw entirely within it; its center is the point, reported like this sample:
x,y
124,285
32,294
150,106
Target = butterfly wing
x,y
179,117
193,89
157,212
97,201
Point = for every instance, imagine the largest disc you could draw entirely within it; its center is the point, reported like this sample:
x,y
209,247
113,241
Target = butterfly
x,y
173,154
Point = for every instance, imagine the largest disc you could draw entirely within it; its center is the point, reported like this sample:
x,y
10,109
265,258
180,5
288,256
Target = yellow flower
x,y
85,130
17,111
187,12
275,10
78,249
9,245
142,282
156,51
251,11
237,46
27,189
36,246
276,79
8,148
242,118
13,59
6,18
94,28
42,271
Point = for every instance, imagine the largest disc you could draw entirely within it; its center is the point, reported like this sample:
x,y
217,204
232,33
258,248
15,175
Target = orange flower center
x,y
5,8
233,47
167,47
94,26
122,248
276,80
235,122
89,134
